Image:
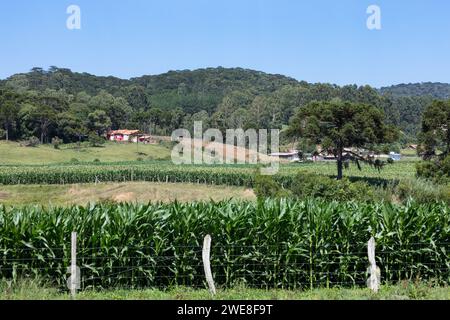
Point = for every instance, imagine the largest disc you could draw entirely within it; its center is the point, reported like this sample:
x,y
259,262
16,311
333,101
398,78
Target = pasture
x,y
11,153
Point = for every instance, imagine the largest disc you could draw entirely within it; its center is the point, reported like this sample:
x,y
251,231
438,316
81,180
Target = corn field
x,y
272,244
239,176
155,172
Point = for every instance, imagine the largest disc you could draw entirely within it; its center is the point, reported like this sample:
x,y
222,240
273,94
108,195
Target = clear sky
x,y
313,40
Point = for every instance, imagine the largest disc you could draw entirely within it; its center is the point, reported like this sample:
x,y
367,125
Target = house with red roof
x,y
123,135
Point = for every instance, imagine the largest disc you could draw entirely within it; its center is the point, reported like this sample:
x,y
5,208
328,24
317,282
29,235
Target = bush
x,y
266,187
96,141
426,169
31,142
96,161
308,185
437,170
74,161
56,142
423,191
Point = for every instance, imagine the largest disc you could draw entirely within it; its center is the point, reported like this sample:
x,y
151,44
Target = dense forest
x,y
434,89
59,102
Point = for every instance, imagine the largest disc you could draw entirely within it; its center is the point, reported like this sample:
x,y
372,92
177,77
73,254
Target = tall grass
x,y
271,244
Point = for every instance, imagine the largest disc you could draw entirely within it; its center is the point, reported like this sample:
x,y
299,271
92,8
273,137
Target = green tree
x,y
9,111
338,125
38,119
117,109
98,122
70,127
435,135
96,141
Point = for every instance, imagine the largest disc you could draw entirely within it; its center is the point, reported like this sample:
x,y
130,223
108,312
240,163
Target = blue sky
x,y
314,40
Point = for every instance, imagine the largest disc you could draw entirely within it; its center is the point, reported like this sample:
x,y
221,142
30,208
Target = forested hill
x,y
434,89
212,80
59,102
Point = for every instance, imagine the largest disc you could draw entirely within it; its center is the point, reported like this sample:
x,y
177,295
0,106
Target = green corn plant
x,y
269,244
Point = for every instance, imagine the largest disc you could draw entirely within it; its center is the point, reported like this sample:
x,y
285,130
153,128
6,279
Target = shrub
x,y
426,169
56,142
266,187
423,191
31,142
308,185
74,161
437,170
96,141
96,161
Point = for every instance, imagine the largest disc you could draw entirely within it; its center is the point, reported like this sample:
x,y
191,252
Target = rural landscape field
x,y
108,189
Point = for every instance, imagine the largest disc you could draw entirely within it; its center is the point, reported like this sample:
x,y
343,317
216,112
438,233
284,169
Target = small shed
x,y
288,156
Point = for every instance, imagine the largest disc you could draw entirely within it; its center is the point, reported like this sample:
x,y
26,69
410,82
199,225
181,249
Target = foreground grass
x,y
11,153
30,290
141,192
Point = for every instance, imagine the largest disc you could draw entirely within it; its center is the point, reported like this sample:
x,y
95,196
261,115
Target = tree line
x,y
60,103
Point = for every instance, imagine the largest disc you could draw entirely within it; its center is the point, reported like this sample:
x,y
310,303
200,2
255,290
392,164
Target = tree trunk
x,y
7,134
339,165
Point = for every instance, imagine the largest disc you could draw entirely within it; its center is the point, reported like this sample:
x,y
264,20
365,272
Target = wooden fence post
x,y
74,273
374,272
207,265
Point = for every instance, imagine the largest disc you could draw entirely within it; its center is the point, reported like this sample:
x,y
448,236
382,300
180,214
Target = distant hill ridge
x,y
434,89
229,97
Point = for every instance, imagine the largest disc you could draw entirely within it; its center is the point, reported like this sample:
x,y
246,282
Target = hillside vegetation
x,y
72,106
434,89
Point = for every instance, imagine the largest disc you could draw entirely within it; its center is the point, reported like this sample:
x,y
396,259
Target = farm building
x,y
123,135
143,138
293,155
130,136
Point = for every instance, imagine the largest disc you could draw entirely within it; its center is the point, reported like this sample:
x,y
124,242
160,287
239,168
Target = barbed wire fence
x,y
226,266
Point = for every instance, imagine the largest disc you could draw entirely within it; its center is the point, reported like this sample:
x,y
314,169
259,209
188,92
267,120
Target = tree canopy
x,y
435,135
338,125
226,97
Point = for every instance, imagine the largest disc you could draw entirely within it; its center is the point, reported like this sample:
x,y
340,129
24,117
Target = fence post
x,y
207,265
73,266
375,275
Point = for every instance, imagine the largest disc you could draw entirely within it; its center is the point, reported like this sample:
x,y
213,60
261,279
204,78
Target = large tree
x,y
435,135
38,119
338,125
98,122
9,110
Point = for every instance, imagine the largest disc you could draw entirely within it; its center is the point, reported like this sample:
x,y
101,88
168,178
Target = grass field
x,y
405,291
13,153
141,192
